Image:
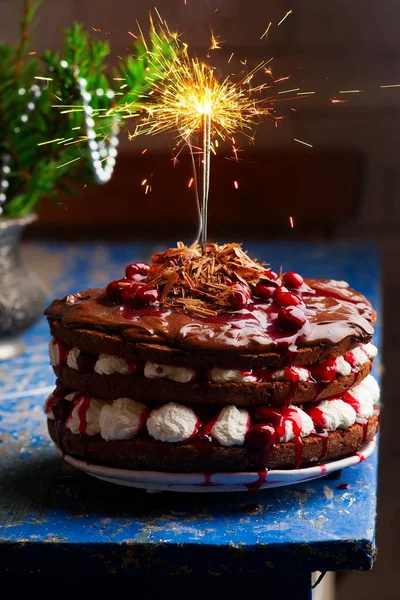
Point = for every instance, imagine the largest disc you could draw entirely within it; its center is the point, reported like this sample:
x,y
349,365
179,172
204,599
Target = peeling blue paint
x,y
52,516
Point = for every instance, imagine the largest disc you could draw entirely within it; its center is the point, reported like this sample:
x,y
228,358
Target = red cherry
x,y
202,438
261,437
263,374
291,318
271,275
292,279
350,358
139,295
285,298
318,417
146,295
239,296
135,366
129,289
324,372
113,291
264,291
137,271
266,414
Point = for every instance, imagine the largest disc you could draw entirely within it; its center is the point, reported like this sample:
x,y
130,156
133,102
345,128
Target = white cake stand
x,y
156,481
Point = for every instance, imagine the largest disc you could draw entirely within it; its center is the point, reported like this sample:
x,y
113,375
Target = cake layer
x,y
207,360
320,313
109,377
102,342
259,427
152,455
161,391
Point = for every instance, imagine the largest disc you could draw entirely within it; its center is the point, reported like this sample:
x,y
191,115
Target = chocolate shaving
x,y
200,283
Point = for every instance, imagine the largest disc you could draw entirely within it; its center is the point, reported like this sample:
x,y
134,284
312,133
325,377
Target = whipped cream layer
x,y
107,364
125,418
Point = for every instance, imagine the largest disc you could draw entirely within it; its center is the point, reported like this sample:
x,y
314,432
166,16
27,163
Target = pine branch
x,y
38,168
30,7
10,144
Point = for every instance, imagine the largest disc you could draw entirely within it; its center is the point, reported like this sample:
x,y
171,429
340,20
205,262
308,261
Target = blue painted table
x,y
55,520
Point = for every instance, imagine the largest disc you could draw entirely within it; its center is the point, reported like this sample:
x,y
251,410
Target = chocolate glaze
x,y
334,312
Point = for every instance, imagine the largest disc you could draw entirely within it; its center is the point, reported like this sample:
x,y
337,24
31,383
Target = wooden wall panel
x,y
319,189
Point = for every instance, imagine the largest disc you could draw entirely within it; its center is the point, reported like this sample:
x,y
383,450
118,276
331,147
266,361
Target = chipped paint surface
x,y
46,505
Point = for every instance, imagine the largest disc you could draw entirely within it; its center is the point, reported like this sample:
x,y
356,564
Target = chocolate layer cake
x,y
212,362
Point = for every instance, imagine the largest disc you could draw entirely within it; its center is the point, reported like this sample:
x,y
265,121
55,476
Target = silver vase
x,y
21,295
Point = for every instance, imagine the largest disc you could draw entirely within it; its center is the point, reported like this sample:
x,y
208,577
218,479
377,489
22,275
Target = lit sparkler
x,y
188,99
191,101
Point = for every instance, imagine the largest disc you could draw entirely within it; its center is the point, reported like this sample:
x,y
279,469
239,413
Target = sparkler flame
x,y
190,93
191,101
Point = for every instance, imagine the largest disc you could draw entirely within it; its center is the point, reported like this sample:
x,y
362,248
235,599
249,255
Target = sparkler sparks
x,y
289,12
189,95
69,162
215,42
302,142
265,34
288,91
190,101
351,91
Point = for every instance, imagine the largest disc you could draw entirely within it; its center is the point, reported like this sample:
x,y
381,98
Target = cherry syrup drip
x,y
61,411
273,428
143,418
202,439
256,485
351,359
363,421
82,413
132,313
323,436
289,414
49,405
63,351
294,378
86,362
202,435
319,421
207,480
61,407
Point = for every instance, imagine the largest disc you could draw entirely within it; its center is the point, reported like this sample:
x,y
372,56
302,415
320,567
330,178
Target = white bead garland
x,y
102,153
5,158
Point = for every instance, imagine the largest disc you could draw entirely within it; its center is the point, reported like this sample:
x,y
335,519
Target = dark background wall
x,y
326,47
